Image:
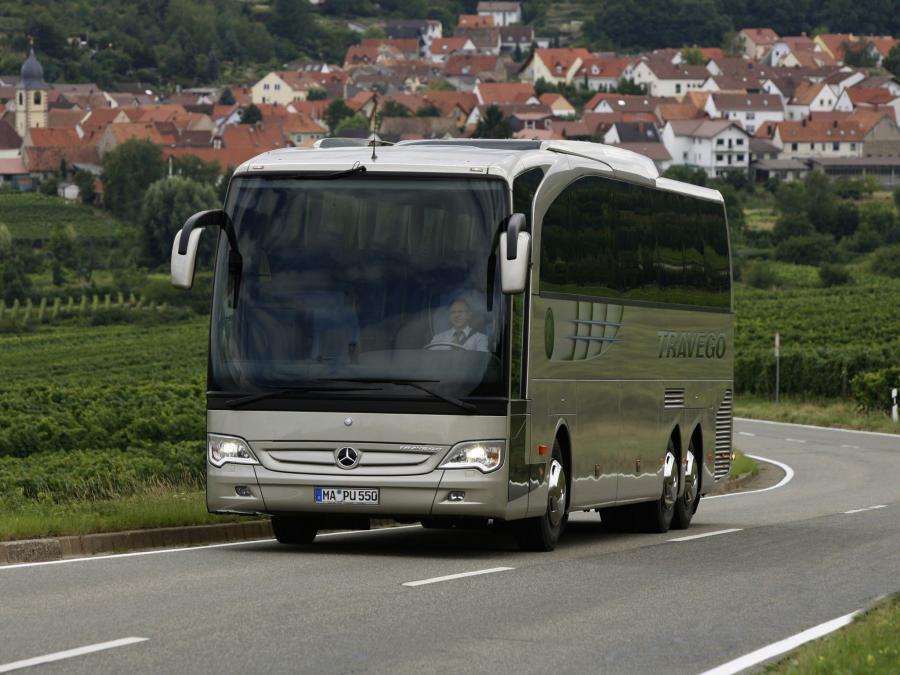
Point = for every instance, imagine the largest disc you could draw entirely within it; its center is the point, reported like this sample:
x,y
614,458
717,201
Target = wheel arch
x,y
564,439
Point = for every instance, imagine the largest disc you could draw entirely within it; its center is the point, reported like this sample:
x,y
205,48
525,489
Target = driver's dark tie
x,y
458,337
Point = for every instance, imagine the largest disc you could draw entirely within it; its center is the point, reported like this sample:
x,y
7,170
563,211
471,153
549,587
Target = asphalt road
x,y
798,555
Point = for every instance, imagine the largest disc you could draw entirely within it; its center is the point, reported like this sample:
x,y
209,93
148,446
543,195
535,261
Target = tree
x,y
49,186
858,54
356,122
624,86
336,111
127,171
291,20
316,95
251,115
14,281
213,67
686,174
226,97
222,188
428,110
196,169
493,124
85,182
395,109
692,56
165,206
892,62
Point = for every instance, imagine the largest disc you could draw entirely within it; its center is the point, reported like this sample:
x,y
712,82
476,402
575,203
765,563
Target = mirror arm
x,y
212,218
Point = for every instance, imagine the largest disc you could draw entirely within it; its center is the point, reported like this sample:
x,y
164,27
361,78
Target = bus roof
x,y
467,156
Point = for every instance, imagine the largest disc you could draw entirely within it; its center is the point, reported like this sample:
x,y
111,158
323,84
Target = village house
x,y
815,97
502,13
818,138
661,78
443,48
757,41
281,87
423,30
604,74
554,66
748,110
558,104
503,93
464,71
512,37
716,146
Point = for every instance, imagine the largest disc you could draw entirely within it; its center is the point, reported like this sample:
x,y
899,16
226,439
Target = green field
x,y
31,217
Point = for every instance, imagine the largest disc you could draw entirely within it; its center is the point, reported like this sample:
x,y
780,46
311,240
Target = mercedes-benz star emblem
x,y
347,458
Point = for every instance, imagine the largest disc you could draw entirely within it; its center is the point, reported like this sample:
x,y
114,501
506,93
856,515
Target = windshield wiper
x,y
283,391
417,384
357,168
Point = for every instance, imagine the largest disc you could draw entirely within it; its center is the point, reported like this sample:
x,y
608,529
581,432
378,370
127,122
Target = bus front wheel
x,y
542,533
293,531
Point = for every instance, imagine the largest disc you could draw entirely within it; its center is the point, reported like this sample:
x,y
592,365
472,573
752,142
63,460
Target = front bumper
x,y
421,495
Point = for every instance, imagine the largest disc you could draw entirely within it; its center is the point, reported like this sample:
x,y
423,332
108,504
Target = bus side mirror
x,y
515,250
187,241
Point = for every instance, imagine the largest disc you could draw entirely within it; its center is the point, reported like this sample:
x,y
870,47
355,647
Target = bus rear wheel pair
x,y
671,510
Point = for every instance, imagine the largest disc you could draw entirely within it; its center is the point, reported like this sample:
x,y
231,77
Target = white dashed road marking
x,y
68,654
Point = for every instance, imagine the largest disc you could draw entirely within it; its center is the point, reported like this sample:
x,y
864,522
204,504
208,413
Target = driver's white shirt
x,y
474,341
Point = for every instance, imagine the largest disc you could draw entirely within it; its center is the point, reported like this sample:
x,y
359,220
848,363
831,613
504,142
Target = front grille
x,y
723,437
375,458
673,398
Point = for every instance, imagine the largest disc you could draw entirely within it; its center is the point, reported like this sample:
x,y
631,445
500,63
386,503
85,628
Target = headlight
x,y
482,455
224,449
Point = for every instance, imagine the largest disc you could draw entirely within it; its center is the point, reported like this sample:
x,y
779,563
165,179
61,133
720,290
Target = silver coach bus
x,y
462,332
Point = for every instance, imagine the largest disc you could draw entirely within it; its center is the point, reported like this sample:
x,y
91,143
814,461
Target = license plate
x,y
346,495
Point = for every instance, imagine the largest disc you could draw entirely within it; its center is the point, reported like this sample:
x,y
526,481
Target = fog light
x,y
242,491
457,496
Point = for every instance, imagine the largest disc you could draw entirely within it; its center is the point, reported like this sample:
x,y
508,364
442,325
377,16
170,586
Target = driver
x,y
461,332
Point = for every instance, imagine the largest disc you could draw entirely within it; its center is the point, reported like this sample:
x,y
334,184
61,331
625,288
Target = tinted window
x,y
612,239
524,187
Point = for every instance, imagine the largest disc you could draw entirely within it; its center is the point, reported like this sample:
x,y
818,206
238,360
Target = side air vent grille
x,y
723,437
673,398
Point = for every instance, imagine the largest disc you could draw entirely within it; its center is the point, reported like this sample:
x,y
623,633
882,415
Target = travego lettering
x,y
676,345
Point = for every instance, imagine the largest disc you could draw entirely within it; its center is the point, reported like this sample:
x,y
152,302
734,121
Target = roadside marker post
x,y
777,367
894,415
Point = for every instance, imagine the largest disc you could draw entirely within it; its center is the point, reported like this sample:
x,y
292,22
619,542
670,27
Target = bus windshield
x,y
360,278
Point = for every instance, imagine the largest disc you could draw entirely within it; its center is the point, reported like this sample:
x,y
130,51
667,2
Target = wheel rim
x,y
670,481
556,507
691,478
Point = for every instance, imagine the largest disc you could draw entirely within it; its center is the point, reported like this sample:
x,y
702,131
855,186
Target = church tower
x,y
31,96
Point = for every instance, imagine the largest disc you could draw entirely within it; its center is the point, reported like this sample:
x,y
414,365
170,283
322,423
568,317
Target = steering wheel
x,y
454,345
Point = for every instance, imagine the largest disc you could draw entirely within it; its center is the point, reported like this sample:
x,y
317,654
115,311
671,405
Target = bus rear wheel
x,y
686,506
542,533
293,531
657,516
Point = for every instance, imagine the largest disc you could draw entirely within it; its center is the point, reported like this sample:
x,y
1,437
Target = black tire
x,y
293,531
687,503
542,533
657,516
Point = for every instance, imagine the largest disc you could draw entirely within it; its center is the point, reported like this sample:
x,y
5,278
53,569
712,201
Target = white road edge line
x,y
794,440
853,447
68,654
708,534
813,426
777,648
159,551
461,575
745,433
788,476
867,508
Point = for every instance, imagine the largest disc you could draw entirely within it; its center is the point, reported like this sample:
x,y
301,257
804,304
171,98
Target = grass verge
x,y
837,413
742,465
156,506
868,645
